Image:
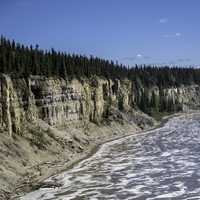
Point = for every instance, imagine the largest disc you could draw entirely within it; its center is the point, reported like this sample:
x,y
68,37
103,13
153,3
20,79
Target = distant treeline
x,y
21,60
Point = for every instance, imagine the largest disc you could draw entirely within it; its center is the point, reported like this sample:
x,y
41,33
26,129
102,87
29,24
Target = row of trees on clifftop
x,y
22,60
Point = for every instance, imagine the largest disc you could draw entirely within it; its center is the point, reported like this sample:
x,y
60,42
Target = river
x,y
160,164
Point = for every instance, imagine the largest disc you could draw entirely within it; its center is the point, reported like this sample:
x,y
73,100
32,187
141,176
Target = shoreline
x,y
96,148
36,184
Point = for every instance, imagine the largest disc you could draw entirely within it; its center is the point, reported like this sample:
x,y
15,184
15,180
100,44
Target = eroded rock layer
x,y
58,101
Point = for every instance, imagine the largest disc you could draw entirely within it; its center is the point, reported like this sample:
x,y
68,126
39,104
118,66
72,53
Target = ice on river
x,y
161,164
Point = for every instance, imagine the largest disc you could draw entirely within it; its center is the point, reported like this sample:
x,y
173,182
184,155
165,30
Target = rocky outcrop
x,y
188,97
59,102
173,99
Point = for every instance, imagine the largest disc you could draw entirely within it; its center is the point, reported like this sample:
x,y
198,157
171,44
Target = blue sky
x,y
130,31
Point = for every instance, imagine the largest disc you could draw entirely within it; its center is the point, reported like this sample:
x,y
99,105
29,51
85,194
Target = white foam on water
x,y
169,195
159,164
166,154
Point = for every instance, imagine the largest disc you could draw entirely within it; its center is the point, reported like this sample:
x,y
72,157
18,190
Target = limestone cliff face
x,y
186,97
59,102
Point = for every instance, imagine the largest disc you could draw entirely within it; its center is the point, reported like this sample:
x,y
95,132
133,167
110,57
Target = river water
x,y
160,164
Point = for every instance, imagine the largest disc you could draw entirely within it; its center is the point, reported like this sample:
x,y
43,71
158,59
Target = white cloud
x,y
178,34
139,56
163,20
172,35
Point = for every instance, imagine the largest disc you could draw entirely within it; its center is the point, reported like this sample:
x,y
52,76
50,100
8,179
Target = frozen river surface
x,y
160,164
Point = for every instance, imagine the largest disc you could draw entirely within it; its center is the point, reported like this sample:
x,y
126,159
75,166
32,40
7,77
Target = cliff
x,y
57,102
48,122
